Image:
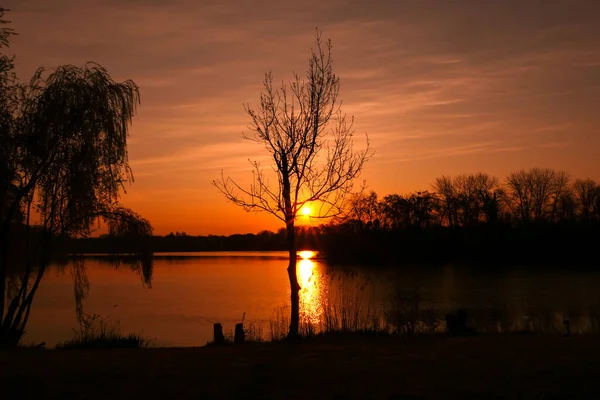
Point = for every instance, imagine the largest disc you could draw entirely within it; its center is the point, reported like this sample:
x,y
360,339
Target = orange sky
x,y
441,87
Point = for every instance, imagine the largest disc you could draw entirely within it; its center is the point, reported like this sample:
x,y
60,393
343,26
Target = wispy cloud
x,y
486,85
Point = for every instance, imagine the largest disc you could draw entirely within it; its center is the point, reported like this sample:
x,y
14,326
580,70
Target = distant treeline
x,y
539,214
182,242
535,215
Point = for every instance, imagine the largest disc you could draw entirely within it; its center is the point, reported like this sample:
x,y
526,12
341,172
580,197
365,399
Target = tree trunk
x,y
290,220
3,267
294,285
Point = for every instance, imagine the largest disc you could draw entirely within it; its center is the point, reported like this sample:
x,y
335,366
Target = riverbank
x,y
333,368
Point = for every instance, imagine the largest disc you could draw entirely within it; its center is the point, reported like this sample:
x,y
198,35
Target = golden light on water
x,y
305,272
309,278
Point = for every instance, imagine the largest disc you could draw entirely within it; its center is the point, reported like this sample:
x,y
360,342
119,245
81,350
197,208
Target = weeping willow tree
x,y
7,106
66,136
310,140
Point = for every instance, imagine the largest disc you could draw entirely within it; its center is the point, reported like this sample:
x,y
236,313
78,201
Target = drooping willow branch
x,y
67,139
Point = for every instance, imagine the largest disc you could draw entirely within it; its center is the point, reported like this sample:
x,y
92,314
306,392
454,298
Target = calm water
x,y
189,294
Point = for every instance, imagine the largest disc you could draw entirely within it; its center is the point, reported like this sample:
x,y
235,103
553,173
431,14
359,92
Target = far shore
x,y
271,254
339,367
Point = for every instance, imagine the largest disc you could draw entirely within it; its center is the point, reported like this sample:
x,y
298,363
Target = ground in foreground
x,y
524,366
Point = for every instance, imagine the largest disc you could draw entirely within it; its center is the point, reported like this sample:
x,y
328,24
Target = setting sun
x,y
306,211
306,254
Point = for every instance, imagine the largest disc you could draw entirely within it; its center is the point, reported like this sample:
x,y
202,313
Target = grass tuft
x,y
98,333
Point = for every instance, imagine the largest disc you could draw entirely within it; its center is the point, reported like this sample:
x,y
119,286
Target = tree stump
x,y
456,324
450,323
239,335
461,321
567,325
218,337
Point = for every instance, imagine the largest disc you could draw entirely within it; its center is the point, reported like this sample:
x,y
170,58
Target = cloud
x,y
444,80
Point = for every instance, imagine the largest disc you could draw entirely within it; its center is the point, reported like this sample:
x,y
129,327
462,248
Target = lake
x,y
192,291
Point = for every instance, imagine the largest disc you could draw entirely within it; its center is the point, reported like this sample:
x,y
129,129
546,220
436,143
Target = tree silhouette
x,y
468,199
302,127
444,186
66,136
364,210
587,193
535,195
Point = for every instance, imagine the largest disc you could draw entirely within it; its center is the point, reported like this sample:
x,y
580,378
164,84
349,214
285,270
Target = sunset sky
x,y
441,87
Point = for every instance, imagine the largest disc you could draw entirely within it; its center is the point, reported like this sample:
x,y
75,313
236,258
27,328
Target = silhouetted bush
x,y
97,333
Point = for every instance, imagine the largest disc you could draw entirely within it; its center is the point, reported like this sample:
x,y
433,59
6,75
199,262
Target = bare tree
x,y
396,212
364,210
444,187
424,210
464,187
561,194
587,193
302,127
518,197
468,198
536,194
486,190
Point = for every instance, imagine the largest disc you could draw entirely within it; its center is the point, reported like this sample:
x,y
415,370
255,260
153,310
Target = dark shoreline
x,y
529,366
490,244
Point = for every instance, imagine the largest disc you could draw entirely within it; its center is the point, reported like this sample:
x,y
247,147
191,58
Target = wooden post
x,y
567,325
239,335
218,337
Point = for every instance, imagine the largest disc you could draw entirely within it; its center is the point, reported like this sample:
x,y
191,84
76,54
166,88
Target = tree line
x,y
307,238
464,216
525,196
534,214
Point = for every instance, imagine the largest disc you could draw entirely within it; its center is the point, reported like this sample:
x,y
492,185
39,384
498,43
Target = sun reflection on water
x,y
311,307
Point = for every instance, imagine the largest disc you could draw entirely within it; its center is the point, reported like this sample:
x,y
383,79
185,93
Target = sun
x,y
306,211
306,254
